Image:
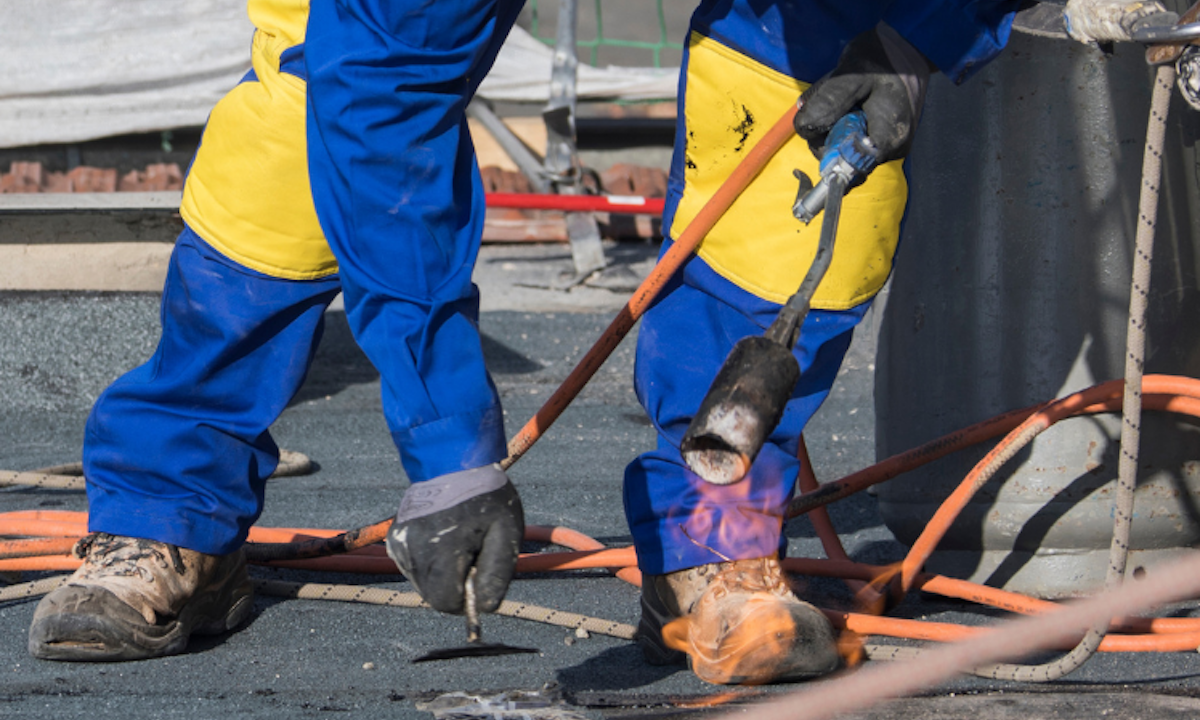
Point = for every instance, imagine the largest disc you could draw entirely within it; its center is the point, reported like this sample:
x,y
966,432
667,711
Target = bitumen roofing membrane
x,y
312,658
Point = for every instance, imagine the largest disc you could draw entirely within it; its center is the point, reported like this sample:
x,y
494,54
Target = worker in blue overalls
x,y
342,163
712,590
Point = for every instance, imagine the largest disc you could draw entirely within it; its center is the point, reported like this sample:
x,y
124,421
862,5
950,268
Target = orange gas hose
x,y
50,535
908,460
42,539
1025,605
867,597
1155,388
1164,399
33,547
55,523
819,517
949,632
627,570
680,250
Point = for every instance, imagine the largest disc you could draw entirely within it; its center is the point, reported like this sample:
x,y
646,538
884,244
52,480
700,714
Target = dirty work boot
x,y
134,599
736,623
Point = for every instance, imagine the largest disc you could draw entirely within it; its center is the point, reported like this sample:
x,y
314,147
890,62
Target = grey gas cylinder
x,y
1012,288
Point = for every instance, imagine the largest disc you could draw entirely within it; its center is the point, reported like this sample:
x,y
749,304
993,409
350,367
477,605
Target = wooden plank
x,y
113,266
531,131
167,201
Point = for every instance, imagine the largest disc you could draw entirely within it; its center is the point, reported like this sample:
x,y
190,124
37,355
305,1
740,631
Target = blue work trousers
x,y
178,449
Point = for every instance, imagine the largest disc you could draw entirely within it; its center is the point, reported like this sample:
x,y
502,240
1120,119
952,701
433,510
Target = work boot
x,y
134,599
736,623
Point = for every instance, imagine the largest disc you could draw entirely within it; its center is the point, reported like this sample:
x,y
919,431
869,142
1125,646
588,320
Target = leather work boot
x,y
134,599
737,623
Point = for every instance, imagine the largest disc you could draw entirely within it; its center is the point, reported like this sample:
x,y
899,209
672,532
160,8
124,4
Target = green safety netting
x,y
600,40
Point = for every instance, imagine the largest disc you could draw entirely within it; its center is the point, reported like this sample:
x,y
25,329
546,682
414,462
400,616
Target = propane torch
x,y
747,398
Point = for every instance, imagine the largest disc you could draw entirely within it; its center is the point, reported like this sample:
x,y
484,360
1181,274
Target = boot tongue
x,y
148,579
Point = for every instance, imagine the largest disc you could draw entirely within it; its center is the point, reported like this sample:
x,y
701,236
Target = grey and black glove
x,y
879,72
447,525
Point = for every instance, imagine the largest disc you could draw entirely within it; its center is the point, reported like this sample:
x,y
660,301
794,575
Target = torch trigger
x,y
806,186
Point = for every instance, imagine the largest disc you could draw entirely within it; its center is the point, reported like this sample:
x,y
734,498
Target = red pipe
x,y
622,204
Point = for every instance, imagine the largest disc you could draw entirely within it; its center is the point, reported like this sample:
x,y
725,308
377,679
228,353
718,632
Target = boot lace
x,y
126,555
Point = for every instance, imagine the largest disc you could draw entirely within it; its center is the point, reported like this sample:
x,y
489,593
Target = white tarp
x,y
75,70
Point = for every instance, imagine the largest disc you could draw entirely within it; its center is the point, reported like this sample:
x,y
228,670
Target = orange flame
x,y
741,638
735,638
852,647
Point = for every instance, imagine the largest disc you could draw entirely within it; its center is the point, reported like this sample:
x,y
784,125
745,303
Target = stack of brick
x,y
29,177
503,224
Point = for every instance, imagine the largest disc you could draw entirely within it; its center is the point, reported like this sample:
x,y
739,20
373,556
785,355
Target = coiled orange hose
x,y
41,540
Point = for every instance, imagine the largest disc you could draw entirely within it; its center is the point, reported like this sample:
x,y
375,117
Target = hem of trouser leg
x,y
656,557
452,444
163,523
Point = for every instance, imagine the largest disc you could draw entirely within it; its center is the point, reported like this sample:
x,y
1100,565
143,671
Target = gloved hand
x,y
453,522
1091,21
883,74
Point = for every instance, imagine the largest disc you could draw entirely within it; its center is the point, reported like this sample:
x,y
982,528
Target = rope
x,y
69,476
869,685
373,596
1131,416
39,479
37,588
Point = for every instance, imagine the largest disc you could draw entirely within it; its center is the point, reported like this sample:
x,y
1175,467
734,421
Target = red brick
x,y
130,182
90,179
629,179
157,177
22,177
56,182
164,176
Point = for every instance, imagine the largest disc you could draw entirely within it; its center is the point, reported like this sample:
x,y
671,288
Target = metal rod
x,y
786,328
1173,33
474,627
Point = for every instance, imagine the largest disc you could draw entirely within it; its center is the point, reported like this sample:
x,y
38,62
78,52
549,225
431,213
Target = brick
x,y
22,177
56,182
155,178
164,176
497,179
629,179
130,182
91,179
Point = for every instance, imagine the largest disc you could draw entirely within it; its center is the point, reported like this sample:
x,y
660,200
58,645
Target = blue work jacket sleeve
x,y
959,36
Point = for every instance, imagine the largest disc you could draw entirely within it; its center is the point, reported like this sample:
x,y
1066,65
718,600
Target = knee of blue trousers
x,y
178,450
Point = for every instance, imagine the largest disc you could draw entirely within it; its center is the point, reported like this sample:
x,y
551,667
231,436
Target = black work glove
x,y
883,74
447,525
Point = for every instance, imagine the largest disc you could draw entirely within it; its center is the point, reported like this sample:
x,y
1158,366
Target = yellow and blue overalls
x,y
342,162
745,63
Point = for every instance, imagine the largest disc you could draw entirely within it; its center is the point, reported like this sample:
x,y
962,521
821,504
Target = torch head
x,y
742,408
